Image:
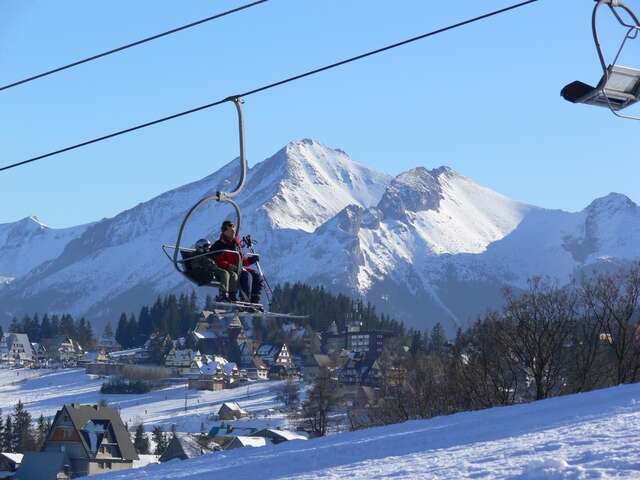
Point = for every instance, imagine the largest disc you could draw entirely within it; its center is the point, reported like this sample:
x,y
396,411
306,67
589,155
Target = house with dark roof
x,y
184,447
83,440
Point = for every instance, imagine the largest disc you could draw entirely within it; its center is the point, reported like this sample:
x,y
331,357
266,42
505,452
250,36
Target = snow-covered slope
x,y
590,435
28,243
426,246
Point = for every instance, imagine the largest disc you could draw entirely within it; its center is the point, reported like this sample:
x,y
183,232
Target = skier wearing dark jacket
x,y
250,280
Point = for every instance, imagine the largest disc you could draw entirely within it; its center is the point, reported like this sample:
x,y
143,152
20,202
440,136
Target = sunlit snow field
x,y
45,391
586,436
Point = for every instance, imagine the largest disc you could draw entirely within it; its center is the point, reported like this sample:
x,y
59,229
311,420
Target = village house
x,y
9,462
256,369
247,353
360,370
312,364
217,334
277,436
241,442
213,373
39,354
367,343
131,356
179,361
16,350
108,343
185,447
83,440
88,358
231,411
63,350
224,433
276,357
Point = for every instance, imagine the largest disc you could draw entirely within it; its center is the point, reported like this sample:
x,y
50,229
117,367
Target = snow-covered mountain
x,y
426,246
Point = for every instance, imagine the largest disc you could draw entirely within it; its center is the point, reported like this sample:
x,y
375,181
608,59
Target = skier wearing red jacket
x,y
250,280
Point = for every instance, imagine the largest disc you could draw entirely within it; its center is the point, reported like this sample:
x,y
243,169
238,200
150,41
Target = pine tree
x,y
67,326
132,331
42,430
108,330
8,441
159,439
22,429
2,446
141,442
122,333
438,339
45,328
145,323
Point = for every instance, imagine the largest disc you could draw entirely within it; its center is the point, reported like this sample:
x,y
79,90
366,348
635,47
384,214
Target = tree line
x,y
169,315
53,326
324,307
546,341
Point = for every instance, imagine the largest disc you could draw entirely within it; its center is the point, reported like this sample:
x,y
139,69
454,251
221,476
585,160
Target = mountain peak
x,y
415,190
611,203
305,183
29,224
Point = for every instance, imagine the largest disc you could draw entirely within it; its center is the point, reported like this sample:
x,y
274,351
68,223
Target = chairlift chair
x,y
619,86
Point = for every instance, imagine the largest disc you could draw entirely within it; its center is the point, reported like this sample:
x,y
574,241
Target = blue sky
x,y
483,100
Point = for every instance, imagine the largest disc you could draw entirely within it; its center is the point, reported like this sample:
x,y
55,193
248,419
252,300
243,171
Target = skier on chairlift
x,y
251,282
205,271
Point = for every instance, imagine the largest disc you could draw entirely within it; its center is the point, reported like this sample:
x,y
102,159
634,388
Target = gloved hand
x,y
253,258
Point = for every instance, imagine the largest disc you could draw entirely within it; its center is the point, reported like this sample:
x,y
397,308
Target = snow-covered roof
x,y
229,368
284,434
125,353
145,460
233,406
191,447
252,441
14,457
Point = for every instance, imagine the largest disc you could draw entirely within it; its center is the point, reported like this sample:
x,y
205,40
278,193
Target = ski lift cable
x,y
131,45
268,86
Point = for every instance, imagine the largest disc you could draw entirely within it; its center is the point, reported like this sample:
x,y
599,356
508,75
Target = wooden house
x,y
231,411
10,462
91,439
275,355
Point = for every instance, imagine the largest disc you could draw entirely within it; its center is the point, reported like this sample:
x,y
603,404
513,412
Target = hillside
x,y
591,435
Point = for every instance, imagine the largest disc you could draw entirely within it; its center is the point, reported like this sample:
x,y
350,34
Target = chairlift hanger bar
x,y
612,4
131,45
271,85
223,197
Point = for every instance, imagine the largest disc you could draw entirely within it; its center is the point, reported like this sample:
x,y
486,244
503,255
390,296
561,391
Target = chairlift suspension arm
x,y
613,4
223,197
